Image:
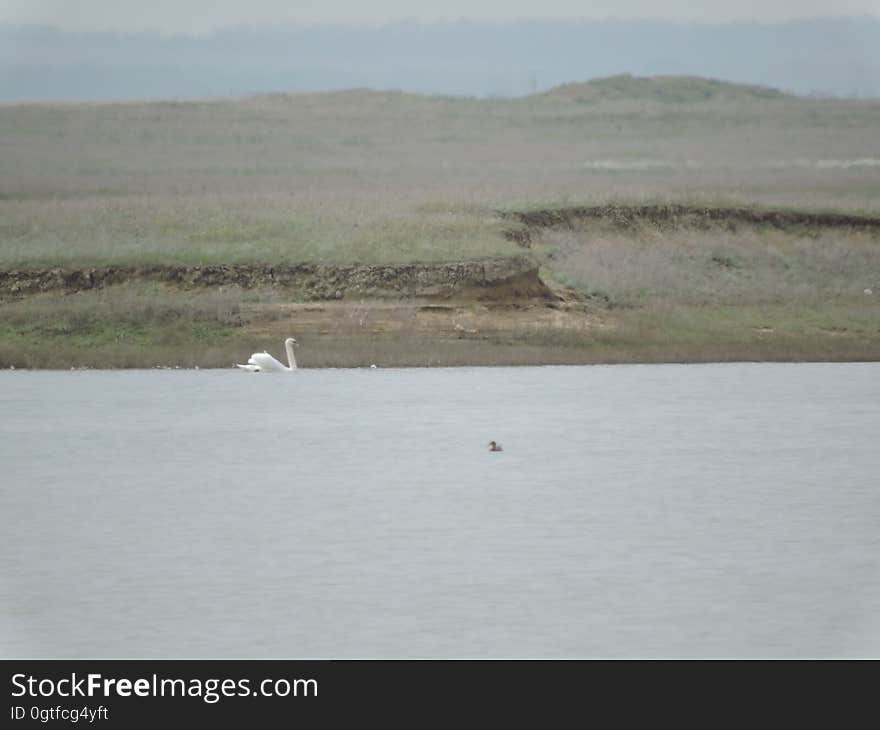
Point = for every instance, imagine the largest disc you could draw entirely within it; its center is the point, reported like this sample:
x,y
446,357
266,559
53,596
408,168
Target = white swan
x,y
263,362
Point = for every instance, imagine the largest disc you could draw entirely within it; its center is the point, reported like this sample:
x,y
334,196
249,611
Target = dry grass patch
x,y
648,265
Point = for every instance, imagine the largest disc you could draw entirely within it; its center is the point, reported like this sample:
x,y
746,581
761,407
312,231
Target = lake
x,y
636,511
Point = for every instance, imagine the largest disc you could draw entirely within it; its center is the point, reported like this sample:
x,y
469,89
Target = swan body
x,y
263,362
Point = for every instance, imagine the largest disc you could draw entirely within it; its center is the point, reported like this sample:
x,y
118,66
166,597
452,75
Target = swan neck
x,y
291,358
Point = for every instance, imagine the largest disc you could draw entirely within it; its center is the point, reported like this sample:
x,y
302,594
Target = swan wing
x,y
266,363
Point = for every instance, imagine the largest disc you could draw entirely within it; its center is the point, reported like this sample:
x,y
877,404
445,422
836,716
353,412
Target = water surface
x,y
659,510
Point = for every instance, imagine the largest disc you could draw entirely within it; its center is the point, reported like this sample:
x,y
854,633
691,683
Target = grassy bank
x,y
136,326
384,178
129,326
645,293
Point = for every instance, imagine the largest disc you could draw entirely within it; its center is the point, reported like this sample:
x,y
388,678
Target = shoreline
x,y
196,368
430,346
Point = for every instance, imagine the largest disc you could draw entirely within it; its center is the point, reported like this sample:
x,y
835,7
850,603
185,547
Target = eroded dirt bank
x,y
675,216
501,279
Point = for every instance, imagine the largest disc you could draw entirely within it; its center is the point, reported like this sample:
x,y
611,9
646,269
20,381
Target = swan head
x,y
290,341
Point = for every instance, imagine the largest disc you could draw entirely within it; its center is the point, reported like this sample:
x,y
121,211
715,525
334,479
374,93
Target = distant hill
x,y
666,89
821,57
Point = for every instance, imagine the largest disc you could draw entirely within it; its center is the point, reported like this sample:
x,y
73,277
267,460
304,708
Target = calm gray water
x,y
636,511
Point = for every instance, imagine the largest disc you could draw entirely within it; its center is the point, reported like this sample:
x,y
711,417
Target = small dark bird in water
x,y
495,447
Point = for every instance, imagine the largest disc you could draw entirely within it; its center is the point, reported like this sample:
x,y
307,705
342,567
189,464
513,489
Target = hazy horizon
x,y
826,57
205,16
183,32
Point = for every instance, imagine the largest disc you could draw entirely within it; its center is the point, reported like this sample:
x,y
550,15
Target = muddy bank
x,y
498,279
680,216
413,333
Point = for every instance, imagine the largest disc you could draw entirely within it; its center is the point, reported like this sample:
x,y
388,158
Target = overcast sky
x,y
201,16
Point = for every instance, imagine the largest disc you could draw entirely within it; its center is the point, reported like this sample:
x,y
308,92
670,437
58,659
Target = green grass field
x,y
382,177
